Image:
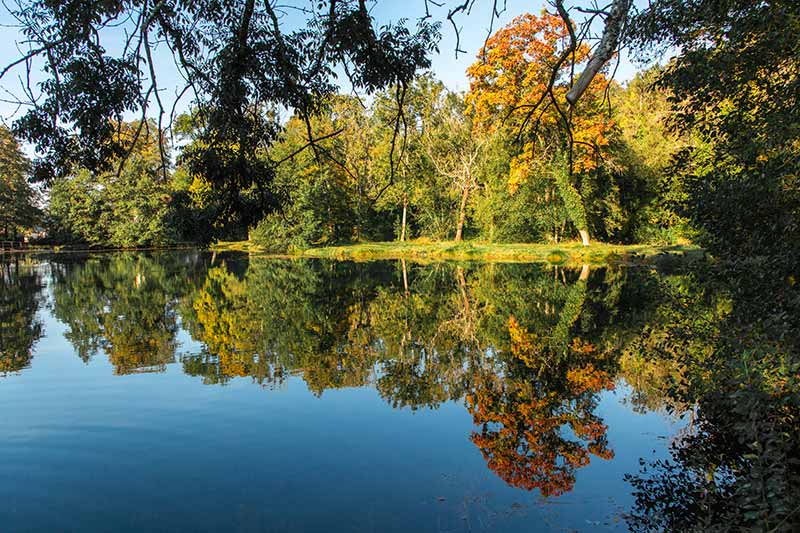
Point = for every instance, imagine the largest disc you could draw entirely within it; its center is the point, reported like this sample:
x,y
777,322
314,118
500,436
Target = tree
x,y
454,150
520,82
735,57
124,208
237,58
642,153
227,192
438,176
18,209
335,189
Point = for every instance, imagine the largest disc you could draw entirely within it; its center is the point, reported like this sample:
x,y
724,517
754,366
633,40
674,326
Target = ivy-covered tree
x,y
520,83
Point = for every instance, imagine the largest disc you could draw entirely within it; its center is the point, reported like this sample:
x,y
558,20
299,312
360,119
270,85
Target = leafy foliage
x,y
20,329
238,60
132,207
736,57
516,72
18,200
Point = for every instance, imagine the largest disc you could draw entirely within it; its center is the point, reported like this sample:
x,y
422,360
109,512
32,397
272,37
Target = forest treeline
x,y
647,162
457,171
665,158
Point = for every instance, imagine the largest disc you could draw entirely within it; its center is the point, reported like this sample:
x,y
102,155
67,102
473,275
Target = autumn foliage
x,y
515,85
523,418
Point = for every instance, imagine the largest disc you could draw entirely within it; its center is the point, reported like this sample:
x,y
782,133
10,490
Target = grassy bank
x,y
568,252
78,248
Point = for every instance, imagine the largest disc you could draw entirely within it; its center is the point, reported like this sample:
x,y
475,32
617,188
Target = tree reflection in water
x,y
20,299
427,335
124,305
528,349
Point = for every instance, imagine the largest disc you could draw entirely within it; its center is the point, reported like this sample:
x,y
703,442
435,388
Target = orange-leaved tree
x,y
519,83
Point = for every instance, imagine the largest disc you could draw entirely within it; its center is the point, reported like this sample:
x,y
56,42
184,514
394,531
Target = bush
x,y
276,235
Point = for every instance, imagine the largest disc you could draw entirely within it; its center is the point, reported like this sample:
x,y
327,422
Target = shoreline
x,y
572,252
66,249
569,252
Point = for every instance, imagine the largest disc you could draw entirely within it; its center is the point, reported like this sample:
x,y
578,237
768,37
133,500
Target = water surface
x,y
184,391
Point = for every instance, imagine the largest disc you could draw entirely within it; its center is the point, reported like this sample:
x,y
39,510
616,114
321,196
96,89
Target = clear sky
x,y
451,70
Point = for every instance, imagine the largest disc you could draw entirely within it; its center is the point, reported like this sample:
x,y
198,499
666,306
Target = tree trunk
x,y
467,309
405,209
462,214
584,273
584,236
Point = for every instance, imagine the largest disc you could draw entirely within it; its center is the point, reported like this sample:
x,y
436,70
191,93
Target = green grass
x,y
567,252
233,246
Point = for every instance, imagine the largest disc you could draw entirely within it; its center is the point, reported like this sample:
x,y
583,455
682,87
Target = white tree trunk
x,y
584,236
403,229
584,273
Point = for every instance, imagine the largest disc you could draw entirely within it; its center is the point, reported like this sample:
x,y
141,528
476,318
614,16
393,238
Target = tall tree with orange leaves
x,y
520,84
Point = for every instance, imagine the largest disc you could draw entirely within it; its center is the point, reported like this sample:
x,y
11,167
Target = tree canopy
x,y
235,58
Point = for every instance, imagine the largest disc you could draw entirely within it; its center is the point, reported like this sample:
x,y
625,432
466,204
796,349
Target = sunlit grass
x,y
425,250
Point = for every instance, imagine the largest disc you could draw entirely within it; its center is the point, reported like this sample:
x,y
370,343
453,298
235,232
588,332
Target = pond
x,y
185,391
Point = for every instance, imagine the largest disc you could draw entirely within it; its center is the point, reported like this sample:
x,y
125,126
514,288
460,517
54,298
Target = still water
x,y
183,391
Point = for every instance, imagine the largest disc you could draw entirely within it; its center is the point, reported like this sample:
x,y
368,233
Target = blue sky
x,y
448,68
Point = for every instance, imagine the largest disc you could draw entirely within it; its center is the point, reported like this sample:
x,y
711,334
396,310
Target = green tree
x,y
123,208
654,194
340,187
18,209
238,59
455,151
735,57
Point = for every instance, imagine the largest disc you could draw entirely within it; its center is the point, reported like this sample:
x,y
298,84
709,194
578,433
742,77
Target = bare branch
x,y
614,26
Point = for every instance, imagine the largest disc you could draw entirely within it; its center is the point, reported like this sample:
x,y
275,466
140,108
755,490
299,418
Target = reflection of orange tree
x,y
524,416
